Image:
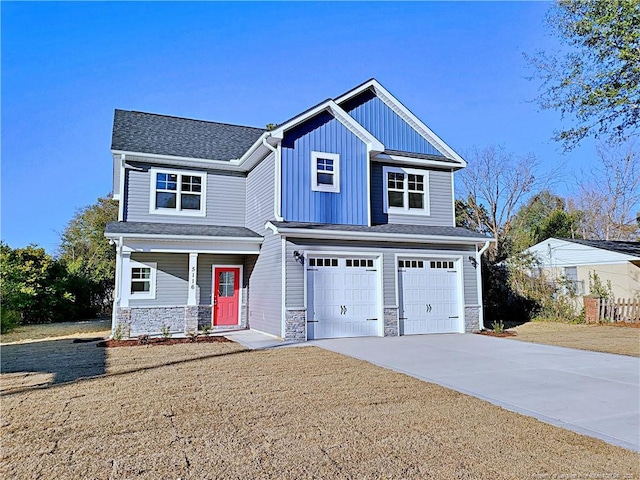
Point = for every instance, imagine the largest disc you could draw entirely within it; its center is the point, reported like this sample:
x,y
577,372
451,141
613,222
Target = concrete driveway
x,y
595,394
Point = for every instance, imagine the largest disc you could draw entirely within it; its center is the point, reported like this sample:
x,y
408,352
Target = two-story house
x,y
339,222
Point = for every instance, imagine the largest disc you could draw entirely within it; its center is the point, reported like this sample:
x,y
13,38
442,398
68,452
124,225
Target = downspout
x,y
277,197
123,175
479,283
118,285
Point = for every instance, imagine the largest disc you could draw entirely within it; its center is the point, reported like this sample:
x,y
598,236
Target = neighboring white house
x,y
614,262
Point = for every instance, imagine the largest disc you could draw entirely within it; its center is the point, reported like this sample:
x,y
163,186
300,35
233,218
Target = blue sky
x,y
67,66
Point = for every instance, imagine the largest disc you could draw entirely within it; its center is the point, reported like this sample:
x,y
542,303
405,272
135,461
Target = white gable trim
x,y
404,113
343,117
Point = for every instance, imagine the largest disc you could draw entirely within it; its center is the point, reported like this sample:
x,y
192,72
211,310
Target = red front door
x,y
226,295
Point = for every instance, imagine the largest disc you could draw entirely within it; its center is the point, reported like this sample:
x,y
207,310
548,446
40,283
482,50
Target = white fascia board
x,y
383,237
234,162
402,160
343,117
254,154
181,247
184,162
184,238
406,114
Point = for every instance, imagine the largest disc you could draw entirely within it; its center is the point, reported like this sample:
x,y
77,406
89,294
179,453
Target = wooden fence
x,y
619,310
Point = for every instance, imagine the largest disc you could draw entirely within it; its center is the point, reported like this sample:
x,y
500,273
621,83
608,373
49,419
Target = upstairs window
x,y
177,193
406,190
325,172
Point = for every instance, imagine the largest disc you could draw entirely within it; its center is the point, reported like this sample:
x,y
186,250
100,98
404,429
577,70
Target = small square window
x,y
325,172
143,279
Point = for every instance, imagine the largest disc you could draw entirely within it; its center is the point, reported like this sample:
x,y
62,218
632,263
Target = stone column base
x,y
295,325
391,322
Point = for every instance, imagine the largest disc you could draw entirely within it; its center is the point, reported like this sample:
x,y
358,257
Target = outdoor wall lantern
x,y
298,257
473,261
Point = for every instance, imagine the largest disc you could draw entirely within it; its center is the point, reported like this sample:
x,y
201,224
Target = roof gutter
x,y
209,238
381,236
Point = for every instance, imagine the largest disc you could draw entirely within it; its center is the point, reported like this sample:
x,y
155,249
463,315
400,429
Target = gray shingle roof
x,y
180,137
628,248
388,228
424,156
144,228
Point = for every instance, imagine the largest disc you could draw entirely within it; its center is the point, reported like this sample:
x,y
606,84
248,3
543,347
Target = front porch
x,y
177,286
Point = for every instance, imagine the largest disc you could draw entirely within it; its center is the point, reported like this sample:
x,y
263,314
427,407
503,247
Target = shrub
x,y
9,319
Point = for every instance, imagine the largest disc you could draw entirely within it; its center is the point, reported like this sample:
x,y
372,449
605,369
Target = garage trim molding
x,y
376,256
458,259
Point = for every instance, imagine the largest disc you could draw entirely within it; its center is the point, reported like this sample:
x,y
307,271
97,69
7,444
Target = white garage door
x,y
428,291
342,298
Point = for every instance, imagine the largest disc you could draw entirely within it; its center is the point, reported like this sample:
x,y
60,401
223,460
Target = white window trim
x,y
151,294
426,210
176,211
335,188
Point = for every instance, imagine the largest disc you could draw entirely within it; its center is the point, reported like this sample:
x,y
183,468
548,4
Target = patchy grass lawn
x,y
57,330
219,411
597,338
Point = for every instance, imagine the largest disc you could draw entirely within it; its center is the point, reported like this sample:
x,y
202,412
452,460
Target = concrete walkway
x,y
595,394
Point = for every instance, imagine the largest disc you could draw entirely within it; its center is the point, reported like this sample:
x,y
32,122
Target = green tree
x,y
33,286
543,216
595,77
87,254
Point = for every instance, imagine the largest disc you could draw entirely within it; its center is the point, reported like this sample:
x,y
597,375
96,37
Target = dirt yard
x,y
597,338
218,411
58,330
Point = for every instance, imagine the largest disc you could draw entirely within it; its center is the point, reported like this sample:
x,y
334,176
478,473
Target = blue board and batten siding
x,y
324,133
386,125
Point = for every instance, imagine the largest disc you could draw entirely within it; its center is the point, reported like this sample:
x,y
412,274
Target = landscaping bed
x,y
491,333
134,342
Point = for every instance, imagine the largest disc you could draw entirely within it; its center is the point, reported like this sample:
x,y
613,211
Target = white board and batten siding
x,y
429,295
265,271
343,295
225,199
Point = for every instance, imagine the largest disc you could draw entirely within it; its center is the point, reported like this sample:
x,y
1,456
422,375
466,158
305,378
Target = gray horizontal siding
x,y
116,174
171,279
440,200
225,199
265,271
295,271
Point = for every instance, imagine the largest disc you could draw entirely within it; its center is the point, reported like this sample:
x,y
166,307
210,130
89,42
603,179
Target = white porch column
x,y
192,298
125,276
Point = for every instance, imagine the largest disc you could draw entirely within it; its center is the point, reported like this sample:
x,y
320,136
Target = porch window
x,y
325,172
143,280
177,192
406,191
